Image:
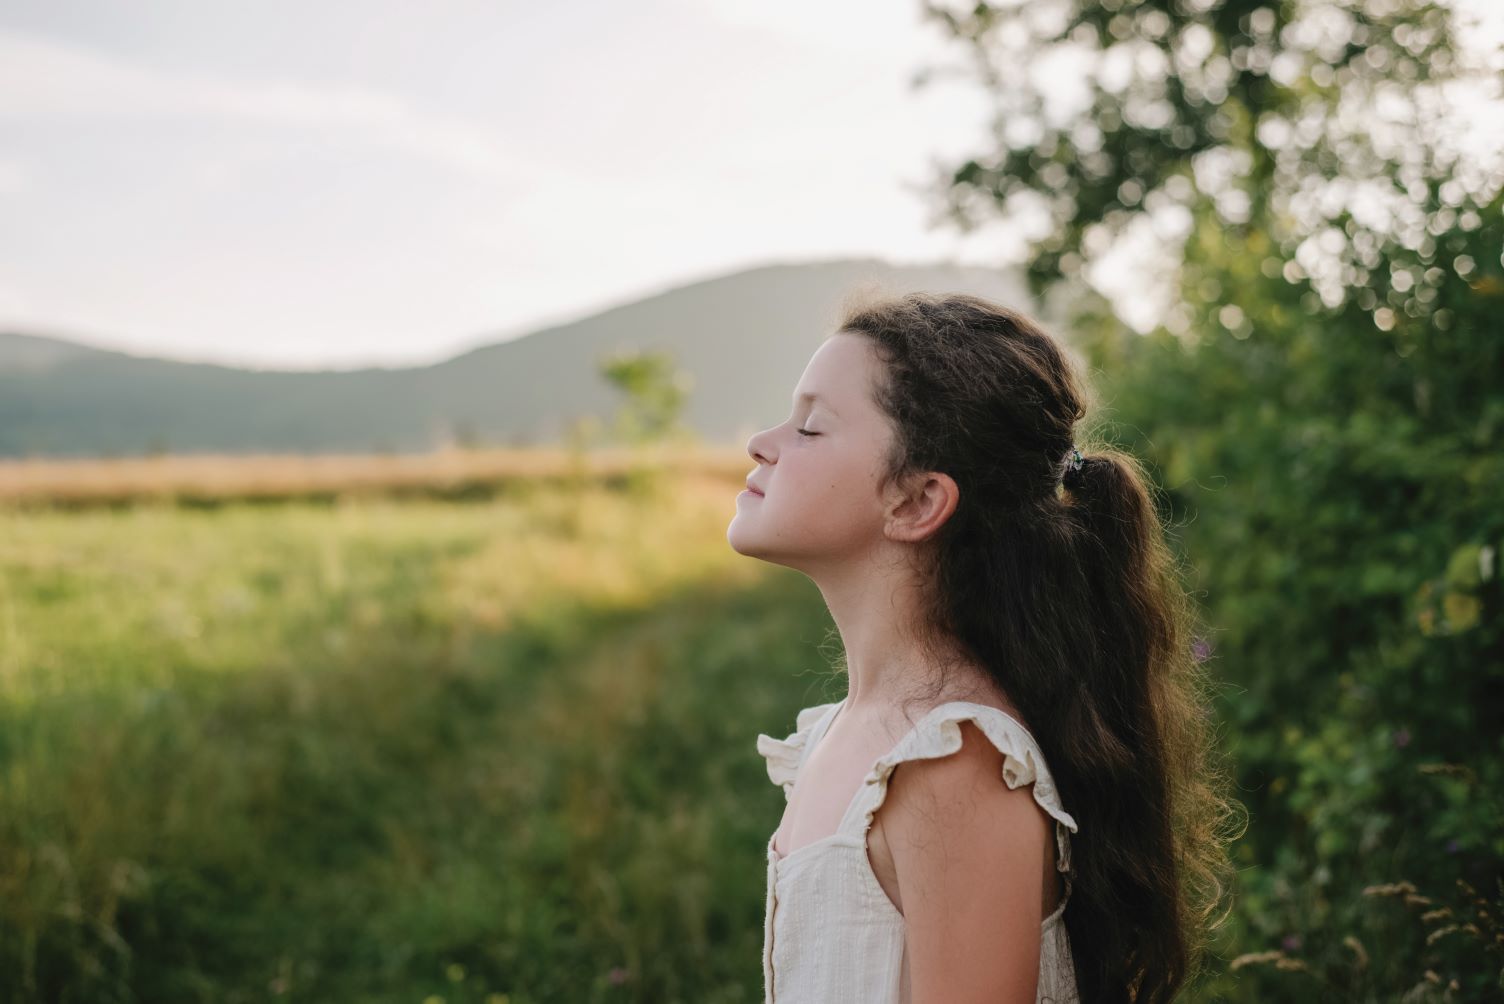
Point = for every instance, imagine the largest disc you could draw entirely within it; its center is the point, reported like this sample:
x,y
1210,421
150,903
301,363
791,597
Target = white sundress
x,y
830,933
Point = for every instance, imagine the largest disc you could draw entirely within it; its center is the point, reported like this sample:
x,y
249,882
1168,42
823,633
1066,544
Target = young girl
x,y
1014,640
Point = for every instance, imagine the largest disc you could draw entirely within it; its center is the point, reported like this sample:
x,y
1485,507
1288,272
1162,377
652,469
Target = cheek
x,y
831,491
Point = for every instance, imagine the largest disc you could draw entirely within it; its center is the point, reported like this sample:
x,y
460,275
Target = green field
x,y
393,751
503,751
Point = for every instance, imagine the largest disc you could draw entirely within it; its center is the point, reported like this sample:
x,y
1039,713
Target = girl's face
x,y
819,470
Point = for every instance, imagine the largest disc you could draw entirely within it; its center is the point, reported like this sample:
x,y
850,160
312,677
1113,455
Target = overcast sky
x,y
378,181
350,182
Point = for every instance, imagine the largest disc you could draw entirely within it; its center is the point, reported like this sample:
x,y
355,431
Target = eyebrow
x,y
812,396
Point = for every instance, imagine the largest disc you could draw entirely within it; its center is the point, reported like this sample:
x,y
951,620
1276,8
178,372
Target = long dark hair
x,y
1060,585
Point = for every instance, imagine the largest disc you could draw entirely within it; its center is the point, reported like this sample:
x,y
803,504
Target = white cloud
x,y
45,80
13,303
14,177
859,28
181,207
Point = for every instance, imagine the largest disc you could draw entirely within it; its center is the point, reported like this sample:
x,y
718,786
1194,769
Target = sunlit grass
x,y
344,752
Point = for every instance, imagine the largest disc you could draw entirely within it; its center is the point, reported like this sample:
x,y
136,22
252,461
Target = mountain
x,y
744,338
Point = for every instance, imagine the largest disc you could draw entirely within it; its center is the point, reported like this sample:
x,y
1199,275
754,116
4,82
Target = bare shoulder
x,y
965,786
968,855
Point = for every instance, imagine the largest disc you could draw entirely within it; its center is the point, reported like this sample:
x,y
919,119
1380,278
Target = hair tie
x,y
1073,465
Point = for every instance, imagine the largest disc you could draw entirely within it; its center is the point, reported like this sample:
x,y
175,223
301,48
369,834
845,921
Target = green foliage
x,y
1336,484
655,389
389,751
1324,407
1247,106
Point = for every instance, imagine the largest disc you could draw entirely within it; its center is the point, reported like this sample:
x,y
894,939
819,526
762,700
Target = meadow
x,y
480,726
387,749
465,736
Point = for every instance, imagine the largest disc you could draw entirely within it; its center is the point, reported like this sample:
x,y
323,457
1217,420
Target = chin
x,y
734,539
744,541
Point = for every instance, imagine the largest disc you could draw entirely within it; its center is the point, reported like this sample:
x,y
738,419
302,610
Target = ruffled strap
x,y
785,756
938,734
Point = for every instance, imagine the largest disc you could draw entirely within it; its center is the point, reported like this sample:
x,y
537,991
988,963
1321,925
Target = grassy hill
x,y
743,338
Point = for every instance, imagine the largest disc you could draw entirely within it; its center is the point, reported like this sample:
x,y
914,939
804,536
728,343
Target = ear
x,y
921,508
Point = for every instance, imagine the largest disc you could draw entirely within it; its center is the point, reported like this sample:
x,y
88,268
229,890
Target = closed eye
x,y
806,432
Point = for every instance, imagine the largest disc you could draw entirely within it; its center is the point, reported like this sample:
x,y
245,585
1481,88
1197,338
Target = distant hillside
x,y
745,339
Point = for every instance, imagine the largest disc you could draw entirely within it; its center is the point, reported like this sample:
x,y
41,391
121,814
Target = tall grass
x,y
388,750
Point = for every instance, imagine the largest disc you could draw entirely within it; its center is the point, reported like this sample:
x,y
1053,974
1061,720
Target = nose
x,y
754,450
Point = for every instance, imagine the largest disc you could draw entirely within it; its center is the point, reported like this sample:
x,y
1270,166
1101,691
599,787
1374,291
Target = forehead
x,y
839,371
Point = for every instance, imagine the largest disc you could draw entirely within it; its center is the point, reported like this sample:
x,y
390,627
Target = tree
x,y
655,391
1322,398
1324,126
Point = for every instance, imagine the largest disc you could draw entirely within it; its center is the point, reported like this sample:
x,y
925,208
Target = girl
x,y
1015,640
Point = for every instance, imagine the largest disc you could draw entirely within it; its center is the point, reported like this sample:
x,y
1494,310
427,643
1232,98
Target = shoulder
x,y
966,784
968,855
